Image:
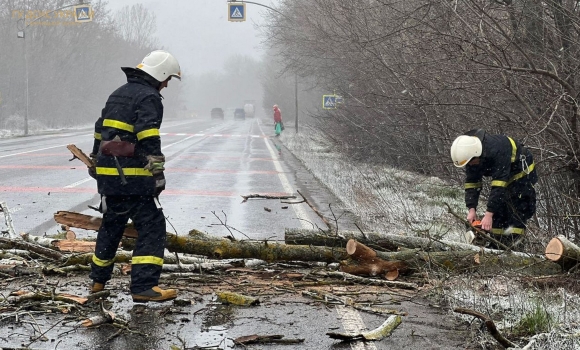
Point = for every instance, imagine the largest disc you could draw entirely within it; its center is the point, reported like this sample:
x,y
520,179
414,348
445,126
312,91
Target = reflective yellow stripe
x,y
499,183
519,175
469,185
509,231
514,149
154,260
102,263
517,231
98,136
497,231
118,125
147,133
126,171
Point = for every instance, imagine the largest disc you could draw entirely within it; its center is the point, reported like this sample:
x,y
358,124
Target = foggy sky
x,y
198,33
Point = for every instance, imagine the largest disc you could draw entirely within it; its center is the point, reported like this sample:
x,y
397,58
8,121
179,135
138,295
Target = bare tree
x,y
137,25
415,74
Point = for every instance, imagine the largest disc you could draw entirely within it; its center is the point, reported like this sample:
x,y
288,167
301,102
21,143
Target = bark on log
x,y
490,261
469,261
226,249
375,240
562,251
17,243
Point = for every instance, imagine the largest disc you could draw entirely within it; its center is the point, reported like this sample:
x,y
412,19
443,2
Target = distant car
x,y
239,114
217,113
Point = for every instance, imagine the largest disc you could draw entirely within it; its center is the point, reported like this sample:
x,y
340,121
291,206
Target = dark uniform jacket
x,y
509,164
133,115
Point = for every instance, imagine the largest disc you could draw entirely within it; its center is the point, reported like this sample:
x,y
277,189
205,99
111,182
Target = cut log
x,y
86,222
80,155
369,264
226,249
359,251
474,259
470,261
562,251
389,242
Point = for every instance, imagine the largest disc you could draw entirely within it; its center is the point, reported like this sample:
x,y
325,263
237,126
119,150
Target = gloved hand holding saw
x,y
156,165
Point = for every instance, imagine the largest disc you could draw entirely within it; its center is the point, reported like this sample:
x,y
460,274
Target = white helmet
x,y
464,148
161,65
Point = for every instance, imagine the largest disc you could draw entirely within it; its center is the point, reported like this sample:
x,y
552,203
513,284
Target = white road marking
x,y
80,182
175,143
298,210
350,319
353,323
90,178
34,150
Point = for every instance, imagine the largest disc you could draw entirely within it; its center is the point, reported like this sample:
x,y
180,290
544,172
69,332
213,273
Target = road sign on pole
x,y
329,101
83,13
236,12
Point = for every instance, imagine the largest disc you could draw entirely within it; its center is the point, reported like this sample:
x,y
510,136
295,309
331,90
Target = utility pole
x,y
22,35
296,100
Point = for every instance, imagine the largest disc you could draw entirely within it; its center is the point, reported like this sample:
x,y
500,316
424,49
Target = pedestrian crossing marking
x,y
83,14
237,13
329,101
211,135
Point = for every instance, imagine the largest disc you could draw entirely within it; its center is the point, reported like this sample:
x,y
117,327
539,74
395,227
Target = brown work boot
x,y
155,294
96,287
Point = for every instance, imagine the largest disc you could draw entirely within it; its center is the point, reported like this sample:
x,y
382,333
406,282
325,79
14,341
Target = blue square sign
x,y
329,101
236,12
83,13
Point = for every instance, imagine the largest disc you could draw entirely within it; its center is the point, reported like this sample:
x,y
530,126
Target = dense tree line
x,y
72,67
415,74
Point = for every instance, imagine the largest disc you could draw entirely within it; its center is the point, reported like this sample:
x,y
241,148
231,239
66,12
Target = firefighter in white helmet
x,y
129,172
511,167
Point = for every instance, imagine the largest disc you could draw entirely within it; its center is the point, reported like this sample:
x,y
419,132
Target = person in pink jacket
x,y
278,126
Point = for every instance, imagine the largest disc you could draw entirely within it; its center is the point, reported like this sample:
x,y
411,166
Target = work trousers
x,y
147,260
509,224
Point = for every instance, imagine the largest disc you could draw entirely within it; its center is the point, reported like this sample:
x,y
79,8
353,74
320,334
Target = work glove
x,y
155,164
93,169
159,183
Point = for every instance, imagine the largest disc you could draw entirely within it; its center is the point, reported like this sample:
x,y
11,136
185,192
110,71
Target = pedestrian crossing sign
x,y
236,12
83,13
329,101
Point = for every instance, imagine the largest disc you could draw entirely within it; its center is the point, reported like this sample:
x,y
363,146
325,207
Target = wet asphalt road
x,y
210,165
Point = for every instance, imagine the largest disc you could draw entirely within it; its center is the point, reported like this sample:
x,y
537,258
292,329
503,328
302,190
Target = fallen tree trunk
x,y
475,259
562,251
375,240
470,261
226,249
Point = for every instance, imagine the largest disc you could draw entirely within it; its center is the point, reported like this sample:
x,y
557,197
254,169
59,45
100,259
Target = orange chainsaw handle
x,y
476,224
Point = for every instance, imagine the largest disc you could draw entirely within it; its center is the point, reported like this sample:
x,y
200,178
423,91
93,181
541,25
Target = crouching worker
x,y
512,198
129,172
